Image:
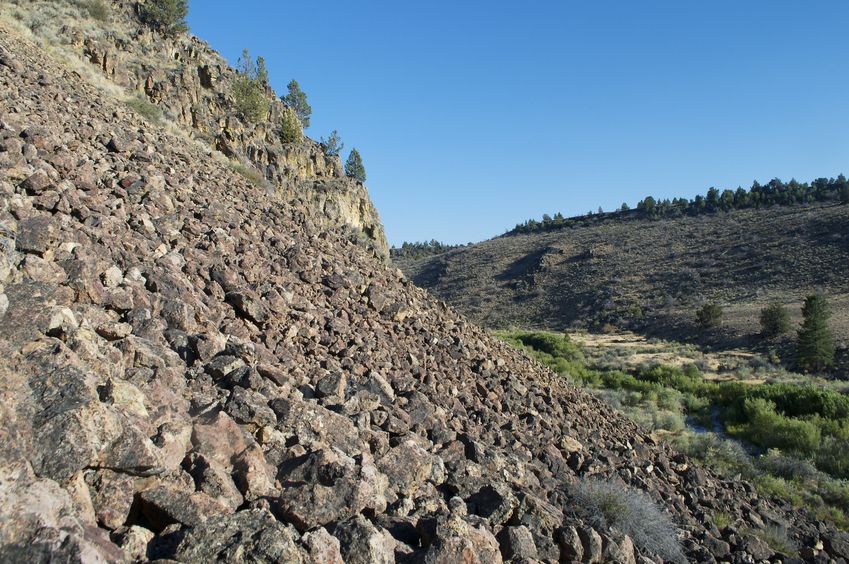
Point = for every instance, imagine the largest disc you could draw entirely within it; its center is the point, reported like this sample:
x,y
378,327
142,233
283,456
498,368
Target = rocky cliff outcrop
x,y
194,370
192,84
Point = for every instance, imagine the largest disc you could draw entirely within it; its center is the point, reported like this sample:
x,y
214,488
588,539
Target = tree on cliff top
x,y
167,16
297,100
250,88
333,144
354,166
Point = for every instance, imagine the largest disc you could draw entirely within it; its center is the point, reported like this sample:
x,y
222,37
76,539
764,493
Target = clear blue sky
x,y
472,116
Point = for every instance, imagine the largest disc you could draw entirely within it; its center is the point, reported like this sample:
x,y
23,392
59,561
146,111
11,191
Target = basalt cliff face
x,y
195,370
192,85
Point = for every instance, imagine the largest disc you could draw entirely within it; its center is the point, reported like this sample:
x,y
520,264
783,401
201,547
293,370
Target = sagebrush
x,y
611,504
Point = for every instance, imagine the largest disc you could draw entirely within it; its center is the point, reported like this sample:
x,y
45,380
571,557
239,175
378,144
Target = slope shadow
x,y
524,267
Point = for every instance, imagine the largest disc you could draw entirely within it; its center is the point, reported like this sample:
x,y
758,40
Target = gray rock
x,y
455,540
364,543
248,305
214,480
326,487
112,497
249,407
516,543
36,235
221,366
252,536
165,505
322,547
407,466
494,502
314,424
571,546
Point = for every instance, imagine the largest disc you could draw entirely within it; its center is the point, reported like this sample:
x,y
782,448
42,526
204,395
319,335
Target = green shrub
x,y
790,399
97,9
167,16
290,127
769,429
145,108
815,347
721,520
787,467
668,421
725,456
775,320
777,539
250,89
611,504
833,457
698,407
354,166
688,379
709,315
250,174
551,343
669,399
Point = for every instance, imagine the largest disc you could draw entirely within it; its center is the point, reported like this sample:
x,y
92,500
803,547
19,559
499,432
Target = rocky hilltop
x,y
191,85
195,370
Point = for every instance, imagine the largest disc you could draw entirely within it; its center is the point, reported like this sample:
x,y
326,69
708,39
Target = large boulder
x,y
252,536
328,486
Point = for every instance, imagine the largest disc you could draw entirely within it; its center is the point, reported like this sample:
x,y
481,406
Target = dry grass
x,y
612,504
628,351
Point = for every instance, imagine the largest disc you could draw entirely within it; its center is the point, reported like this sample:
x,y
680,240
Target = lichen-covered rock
x,y
314,424
363,543
494,502
112,497
327,486
517,543
165,505
407,467
322,547
247,536
455,540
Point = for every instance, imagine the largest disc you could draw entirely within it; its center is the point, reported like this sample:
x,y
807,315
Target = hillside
x,y
195,369
181,81
652,275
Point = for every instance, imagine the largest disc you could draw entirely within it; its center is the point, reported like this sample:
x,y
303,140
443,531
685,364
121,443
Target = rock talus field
x,y
195,370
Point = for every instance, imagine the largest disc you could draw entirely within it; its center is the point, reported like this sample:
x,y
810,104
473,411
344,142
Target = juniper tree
x,y
290,127
815,346
250,88
333,145
167,16
297,100
709,315
774,320
354,166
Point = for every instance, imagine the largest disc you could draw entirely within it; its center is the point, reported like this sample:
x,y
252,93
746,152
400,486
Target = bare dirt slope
x,y
194,370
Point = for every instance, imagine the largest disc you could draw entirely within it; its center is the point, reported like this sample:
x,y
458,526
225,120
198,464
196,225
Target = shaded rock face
x,y
194,370
192,84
